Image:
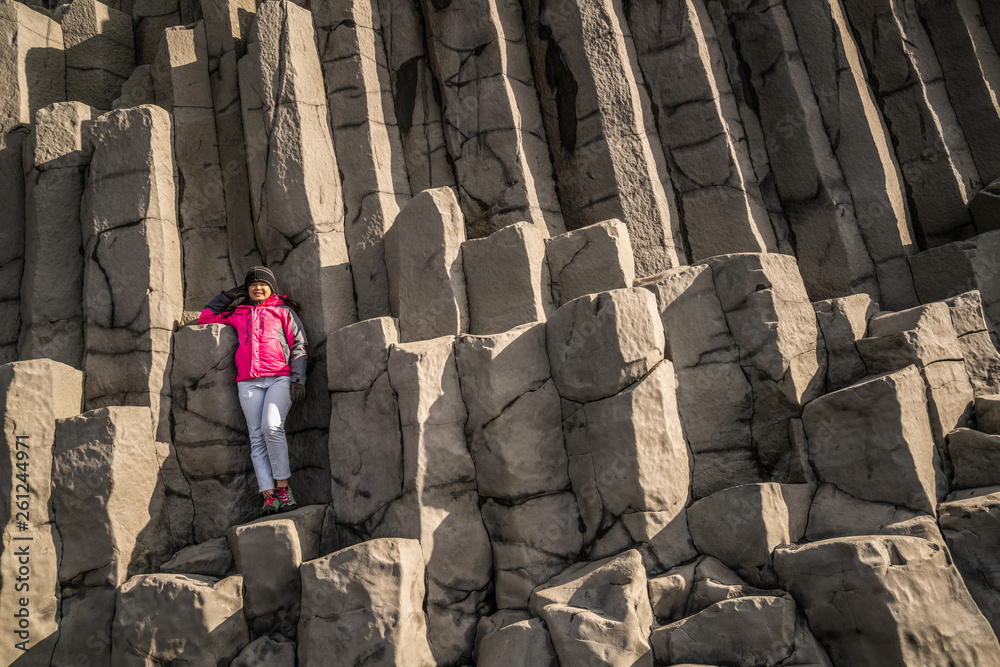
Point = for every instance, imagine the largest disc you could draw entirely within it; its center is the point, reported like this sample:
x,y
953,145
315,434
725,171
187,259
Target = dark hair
x,y
245,300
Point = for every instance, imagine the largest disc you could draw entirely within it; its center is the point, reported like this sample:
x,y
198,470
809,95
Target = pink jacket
x,y
272,341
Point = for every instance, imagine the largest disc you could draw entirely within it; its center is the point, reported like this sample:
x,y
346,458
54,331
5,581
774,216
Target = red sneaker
x,y
271,505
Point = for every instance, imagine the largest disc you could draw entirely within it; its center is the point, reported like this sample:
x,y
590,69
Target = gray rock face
x,y
100,52
982,360
212,559
970,528
34,64
11,241
592,259
856,589
523,643
988,413
974,457
843,322
205,626
607,159
494,133
616,605
363,605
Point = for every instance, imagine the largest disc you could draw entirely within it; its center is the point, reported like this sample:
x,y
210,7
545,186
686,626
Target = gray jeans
x,y
266,402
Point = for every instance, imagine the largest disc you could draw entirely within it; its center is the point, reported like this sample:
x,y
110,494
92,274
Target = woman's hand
x,y
298,392
234,293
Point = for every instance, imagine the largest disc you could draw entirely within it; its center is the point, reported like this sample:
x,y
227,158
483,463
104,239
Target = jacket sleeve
x,y
296,336
213,311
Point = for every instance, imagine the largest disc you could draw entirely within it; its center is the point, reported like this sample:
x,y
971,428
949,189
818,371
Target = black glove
x,y
234,293
298,392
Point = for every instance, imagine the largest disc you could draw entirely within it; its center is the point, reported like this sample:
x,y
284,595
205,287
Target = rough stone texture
x,y
834,513
11,240
268,553
982,360
183,87
132,276
592,259
34,64
415,95
365,138
184,619
700,129
506,279
492,123
868,598
809,179
970,528
974,458
138,90
424,258
33,395
884,453
601,343
984,208
266,651
930,146
598,613
358,354
149,20
100,52
212,559
843,322
521,643
742,525
601,129
364,604
988,413
210,432
51,301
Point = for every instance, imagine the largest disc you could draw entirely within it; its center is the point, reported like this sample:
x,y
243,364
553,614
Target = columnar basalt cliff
x,y
641,332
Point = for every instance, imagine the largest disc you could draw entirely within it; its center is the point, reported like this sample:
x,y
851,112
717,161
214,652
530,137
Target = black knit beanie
x,y
260,274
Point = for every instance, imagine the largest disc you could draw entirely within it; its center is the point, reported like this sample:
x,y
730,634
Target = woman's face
x,y
259,291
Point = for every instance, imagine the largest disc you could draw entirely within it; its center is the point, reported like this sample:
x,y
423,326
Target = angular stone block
x,y
988,413
34,64
742,525
150,18
885,600
843,322
592,259
211,559
495,136
834,513
11,240
598,612
982,360
970,528
364,604
975,458
884,453
985,208
100,52
170,617
601,343
506,279
365,138
664,533
265,650
358,354
521,643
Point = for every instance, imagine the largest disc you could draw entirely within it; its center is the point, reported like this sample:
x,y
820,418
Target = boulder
x,y
364,604
664,534
521,643
591,259
886,600
669,593
191,619
598,612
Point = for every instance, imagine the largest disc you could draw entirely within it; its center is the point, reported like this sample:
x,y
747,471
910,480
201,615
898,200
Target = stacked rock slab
x,y
132,274
11,241
592,259
492,124
34,394
969,526
34,64
700,129
365,138
183,87
100,52
607,160
51,301
982,360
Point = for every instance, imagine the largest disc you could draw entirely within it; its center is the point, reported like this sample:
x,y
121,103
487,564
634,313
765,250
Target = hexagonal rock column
x,y
34,64
809,178
886,600
834,513
365,138
423,253
700,129
843,322
365,604
982,360
366,448
104,476
149,19
100,52
33,395
494,129
416,97
210,432
163,618
11,240
132,276
52,299
885,452
506,279
612,626
970,527
607,158
592,259
517,444
910,89
440,503
182,84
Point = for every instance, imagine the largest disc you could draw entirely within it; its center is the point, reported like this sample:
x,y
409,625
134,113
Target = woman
x,y
270,373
